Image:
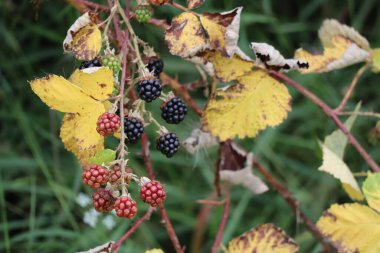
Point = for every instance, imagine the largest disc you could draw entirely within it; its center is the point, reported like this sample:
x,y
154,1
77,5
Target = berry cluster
x,y
155,66
143,13
149,89
108,124
106,199
112,62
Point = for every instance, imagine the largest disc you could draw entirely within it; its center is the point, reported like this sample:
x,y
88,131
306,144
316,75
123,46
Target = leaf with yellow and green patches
x,y
351,228
83,38
265,238
256,102
185,36
376,60
222,30
371,190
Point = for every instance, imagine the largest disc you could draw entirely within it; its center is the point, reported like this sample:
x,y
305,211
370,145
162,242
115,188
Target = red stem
x,y
116,24
218,238
332,114
146,216
170,229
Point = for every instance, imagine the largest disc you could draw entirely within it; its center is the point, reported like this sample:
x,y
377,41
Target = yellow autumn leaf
x,y
185,37
222,30
266,239
83,38
81,99
351,228
342,46
371,189
154,251
228,69
192,4
96,82
254,103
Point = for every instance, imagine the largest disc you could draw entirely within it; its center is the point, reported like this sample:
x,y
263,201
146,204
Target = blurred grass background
x,y
40,180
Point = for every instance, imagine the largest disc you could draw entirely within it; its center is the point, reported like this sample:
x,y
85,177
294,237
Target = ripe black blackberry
x,y
88,64
149,89
155,66
168,144
133,128
174,111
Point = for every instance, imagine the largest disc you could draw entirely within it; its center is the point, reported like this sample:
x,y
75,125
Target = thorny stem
x,y
293,203
170,229
134,41
331,113
226,211
146,216
351,88
116,21
122,116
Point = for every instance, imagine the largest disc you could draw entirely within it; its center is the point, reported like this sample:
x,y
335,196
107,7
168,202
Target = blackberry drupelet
x,y
89,64
174,111
133,128
149,89
168,144
155,66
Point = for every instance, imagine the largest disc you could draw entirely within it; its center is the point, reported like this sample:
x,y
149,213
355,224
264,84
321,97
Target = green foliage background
x,y
39,180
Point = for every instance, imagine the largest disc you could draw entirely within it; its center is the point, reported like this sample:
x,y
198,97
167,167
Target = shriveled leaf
x,y
154,251
235,167
96,82
192,4
185,37
222,30
371,189
343,46
83,38
351,228
228,69
376,60
333,151
254,103
62,95
104,156
273,59
265,238
331,27
105,248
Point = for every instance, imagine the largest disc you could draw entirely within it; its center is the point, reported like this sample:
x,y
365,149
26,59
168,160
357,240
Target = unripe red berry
x,y
95,176
108,124
153,193
103,200
125,207
116,174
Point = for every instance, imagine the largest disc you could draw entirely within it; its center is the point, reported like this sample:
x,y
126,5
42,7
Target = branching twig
x,y
293,203
331,113
146,216
226,211
351,88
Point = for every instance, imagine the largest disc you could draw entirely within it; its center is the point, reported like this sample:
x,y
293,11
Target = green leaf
x,y
104,157
371,190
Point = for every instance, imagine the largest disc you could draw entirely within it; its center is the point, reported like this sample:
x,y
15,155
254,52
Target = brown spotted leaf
x,y
352,228
83,38
265,238
235,167
192,4
186,37
222,30
256,102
